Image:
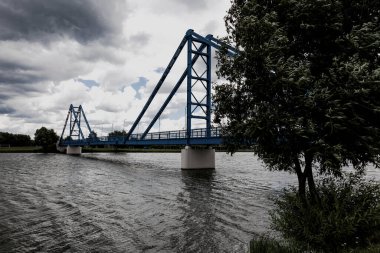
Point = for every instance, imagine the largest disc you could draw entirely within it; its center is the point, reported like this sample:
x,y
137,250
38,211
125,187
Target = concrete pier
x,y
73,150
197,158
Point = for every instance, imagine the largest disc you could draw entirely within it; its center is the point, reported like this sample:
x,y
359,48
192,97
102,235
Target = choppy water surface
x,y
132,203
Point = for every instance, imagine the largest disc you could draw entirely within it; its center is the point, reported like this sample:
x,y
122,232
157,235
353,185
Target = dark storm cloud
x,y
8,65
40,27
17,73
4,109
17,77
4,96
45,20
11,90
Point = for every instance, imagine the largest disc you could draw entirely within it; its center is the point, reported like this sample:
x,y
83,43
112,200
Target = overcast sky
x,y
105,55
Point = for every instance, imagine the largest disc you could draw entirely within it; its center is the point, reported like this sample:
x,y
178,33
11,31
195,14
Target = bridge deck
x,y
198,137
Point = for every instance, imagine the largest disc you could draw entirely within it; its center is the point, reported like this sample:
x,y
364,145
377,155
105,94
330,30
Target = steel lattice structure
x,y
200,108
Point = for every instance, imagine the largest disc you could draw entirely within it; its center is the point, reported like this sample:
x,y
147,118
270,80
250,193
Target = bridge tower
x,y
75,135
198,152
197,48
198,75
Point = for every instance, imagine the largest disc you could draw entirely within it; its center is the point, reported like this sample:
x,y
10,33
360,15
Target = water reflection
x,y
132,203
199,219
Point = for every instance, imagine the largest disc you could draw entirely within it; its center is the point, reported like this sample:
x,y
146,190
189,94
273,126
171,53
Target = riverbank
x,y
28,149
264,244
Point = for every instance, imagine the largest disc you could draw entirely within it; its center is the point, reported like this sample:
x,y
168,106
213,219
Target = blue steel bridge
x,y
197,75
180,137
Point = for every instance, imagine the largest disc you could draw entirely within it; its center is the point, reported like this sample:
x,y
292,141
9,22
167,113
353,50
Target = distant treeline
x,y
15,140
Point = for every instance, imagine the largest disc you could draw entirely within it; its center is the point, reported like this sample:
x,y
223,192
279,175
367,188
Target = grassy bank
x,y
269,245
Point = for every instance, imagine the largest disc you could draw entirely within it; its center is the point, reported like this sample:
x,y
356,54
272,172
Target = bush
x,y
346,216
265,244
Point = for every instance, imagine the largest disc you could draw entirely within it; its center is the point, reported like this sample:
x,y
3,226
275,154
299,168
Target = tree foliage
x,y
15,140
45,138
347,215
305,86
116,133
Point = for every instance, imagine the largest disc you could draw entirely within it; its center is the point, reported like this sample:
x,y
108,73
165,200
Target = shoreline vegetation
x,y
264,244
344,219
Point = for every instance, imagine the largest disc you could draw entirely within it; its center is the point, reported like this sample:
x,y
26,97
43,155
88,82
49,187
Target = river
x,y
134,202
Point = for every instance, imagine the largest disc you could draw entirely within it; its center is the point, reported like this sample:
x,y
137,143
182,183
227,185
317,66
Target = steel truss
x,y
197,47
74,118
198,105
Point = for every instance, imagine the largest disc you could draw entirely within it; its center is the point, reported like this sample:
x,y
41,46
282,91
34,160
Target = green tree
x,y
305,86
117,133
46,138
16,140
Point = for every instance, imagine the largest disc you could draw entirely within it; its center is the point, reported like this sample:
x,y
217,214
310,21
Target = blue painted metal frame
x,y
203,136
192,56
168,99
193,78
75,115
180,137
188,100
158,86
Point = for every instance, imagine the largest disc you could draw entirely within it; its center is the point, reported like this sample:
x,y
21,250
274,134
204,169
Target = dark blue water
x,y
133,203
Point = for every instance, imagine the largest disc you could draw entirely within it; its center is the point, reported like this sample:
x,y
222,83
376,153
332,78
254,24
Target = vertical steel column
x,y
71,120
208,109
79,117
189,84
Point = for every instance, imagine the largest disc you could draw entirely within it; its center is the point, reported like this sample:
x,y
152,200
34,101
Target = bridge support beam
x,y
73,150
197,158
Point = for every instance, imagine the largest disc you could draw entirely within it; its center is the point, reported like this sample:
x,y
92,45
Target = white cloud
x,y
38,81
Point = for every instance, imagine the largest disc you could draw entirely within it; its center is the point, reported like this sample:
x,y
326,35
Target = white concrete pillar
x,y
73,150
197,158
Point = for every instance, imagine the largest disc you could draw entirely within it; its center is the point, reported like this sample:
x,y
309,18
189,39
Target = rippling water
x,y
132,203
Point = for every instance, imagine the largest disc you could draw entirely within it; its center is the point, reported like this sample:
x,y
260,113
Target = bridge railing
x,y
182,134
166,135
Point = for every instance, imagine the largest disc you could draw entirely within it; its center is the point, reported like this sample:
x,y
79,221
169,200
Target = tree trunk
x,y
302,186
310,179
301,179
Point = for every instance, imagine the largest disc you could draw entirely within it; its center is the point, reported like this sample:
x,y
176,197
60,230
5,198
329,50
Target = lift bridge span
x,y
199,108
